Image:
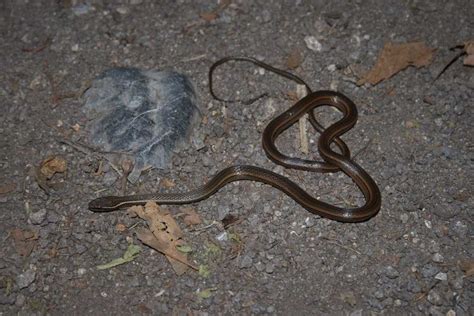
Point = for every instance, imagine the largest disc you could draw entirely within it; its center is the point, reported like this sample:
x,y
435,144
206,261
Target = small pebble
x,y
391,272
259,266
459,109
357,312
38,217
81,9
25,279
332,67
434,298
379,294
20,300
313,44
224,236
123,10
309,221
429,270
7,300
438,258
441,276
246,262
269,268
81,271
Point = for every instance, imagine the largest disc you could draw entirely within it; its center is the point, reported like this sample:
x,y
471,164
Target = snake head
x,y
103,204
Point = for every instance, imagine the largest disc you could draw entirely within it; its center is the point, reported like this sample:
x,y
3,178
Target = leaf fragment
x,y
163,235
204,271
184,248
52,165
206,293
468,267
130,254
294,59
397,57
24,240
469,48
192,217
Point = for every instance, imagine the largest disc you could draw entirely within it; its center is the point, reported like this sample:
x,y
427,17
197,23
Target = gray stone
x,y
36,218
434,298
379,294
7,300
20,300
441,276
357,312
259,266
391,272
24,279
270,267
438,258
429,270
459,109
246,262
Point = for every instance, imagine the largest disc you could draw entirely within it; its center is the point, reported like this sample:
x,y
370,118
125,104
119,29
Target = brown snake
x,y
333,161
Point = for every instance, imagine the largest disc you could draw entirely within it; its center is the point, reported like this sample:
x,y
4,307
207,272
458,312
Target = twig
x,y
362,149
127,167
333,241
424,294
39,48
452,60
198,57
90,151
301,92
203,228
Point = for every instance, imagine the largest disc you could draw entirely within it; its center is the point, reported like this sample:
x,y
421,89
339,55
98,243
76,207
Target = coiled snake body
x,y
333,161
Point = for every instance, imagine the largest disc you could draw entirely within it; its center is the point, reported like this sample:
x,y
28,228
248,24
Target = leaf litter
x,y
469,49
24,241
130,254
397,57
47,169
163,235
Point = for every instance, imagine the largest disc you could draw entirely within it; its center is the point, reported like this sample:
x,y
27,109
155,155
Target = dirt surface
x,y
414,137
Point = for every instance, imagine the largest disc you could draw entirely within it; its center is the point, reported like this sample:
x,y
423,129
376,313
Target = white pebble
x,y
81,271
441,276
313,44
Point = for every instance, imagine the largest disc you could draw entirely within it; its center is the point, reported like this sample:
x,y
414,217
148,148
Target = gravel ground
x,y
414,257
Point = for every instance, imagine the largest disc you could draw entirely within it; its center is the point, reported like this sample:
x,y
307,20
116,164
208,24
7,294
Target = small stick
x,y
127,167
301,92
362,149
333,241
89,151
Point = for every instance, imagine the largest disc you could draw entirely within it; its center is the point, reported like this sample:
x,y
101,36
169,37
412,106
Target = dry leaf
x,y
468,267
164,235
52,165
167,183
469,48
294,60
192,217
120,227
25,241
7,188
208,16
396,57
130,254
